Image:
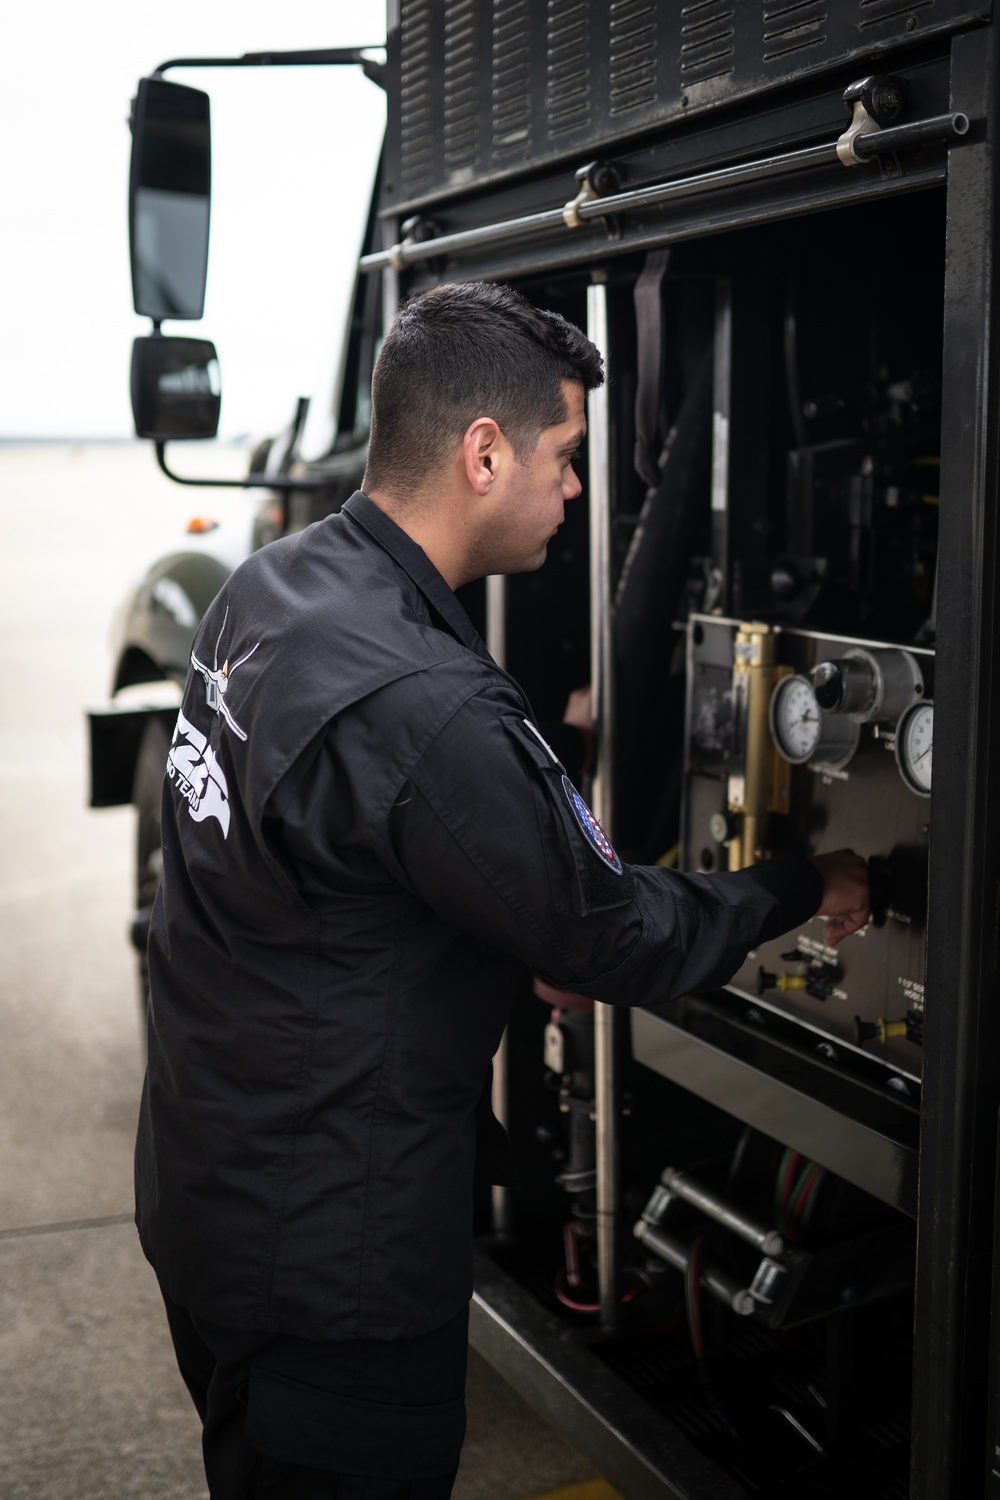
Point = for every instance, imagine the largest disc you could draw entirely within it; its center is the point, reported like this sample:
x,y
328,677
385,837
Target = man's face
x,y
527,507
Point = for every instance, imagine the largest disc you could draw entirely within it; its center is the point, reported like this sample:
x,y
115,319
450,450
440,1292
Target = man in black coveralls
x,y
364,836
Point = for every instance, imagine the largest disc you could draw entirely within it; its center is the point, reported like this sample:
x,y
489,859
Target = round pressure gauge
x,y
795,719
914,746
803,732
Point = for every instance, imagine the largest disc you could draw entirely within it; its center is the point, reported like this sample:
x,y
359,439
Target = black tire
x,y
147,787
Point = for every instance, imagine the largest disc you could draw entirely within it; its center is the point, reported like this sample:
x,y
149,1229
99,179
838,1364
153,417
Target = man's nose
x,y
573,485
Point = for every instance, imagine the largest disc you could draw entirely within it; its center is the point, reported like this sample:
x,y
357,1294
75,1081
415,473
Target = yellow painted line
x,y
590,1489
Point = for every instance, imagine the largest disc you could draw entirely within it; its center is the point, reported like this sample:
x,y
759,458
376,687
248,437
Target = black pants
x,y
297,1419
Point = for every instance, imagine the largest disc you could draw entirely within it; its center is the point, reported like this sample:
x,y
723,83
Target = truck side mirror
x,y
175,388
169,196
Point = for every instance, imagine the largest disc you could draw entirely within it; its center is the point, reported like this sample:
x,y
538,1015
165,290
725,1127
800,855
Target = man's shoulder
x,y
379,740
330,594
461,679
312,628
327,559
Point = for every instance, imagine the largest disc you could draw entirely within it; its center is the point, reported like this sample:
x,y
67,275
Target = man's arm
x,y
846,895
488,832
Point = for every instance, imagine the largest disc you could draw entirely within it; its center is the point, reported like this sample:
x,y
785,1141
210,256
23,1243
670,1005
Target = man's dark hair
x,y
464,351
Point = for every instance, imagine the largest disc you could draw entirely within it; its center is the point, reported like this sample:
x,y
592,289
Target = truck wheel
x,y
147,786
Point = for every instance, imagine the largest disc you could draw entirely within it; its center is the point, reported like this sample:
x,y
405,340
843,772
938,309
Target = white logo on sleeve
x,y
217,680
197,776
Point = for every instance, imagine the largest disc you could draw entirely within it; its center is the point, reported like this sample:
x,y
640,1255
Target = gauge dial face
x,y
795,719
914,746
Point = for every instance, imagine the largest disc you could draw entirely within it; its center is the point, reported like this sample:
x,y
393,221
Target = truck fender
x,y
156,631
162,615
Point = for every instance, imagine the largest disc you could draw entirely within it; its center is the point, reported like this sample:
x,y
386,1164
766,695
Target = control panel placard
x,y
850,724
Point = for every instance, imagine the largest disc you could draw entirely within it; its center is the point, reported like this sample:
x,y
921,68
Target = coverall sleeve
x,y
489,832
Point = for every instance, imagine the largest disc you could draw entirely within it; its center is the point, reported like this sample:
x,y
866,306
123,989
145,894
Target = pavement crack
x,y
64,1226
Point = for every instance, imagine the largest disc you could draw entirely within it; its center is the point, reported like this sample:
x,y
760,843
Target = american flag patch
x,y
592,830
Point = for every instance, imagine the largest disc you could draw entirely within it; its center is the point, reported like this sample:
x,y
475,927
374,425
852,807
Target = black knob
x,y
419,229
723,827
603,176
881,94
864,1031
828,685
765,980
785,579
819,982
915,1027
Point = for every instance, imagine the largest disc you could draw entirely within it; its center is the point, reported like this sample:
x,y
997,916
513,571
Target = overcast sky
x,y
294,152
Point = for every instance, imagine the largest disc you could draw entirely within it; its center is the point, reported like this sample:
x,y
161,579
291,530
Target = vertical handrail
x,y
390,277
602,688
721,419
496,645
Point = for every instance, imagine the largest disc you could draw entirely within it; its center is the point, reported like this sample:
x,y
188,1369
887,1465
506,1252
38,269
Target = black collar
x,y
417,565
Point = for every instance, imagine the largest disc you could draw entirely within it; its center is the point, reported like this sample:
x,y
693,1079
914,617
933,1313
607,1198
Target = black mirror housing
x,y
176,392
169,199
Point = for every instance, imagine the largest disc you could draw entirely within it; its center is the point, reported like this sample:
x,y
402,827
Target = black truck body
x,y
753,1246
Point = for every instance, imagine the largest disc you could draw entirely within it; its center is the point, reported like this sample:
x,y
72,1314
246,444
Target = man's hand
x,y
846,895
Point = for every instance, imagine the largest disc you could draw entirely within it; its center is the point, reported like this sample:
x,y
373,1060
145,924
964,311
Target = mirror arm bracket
x,y
317,57
280,482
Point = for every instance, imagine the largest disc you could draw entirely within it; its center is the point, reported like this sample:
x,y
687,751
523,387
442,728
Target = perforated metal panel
x,y
793,31
481,87
632,56
510,72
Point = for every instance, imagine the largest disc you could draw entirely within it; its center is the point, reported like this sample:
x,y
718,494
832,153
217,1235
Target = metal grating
x,y
633,55
708,41
757,1370
567,66
416,97
792,26
511,79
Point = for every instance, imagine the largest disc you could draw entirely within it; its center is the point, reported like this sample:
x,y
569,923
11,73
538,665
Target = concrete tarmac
x,y
91,1405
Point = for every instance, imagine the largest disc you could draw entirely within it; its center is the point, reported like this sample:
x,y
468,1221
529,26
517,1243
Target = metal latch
x,y
415,231
871,102
597,179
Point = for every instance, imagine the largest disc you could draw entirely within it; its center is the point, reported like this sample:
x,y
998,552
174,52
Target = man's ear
x,y
480,452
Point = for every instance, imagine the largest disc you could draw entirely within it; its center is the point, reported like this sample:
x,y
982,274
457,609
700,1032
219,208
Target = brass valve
x,y
760,784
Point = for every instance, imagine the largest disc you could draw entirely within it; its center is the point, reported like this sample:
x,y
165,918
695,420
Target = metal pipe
x,y
654,196
919,133
598,208
496,644
895,138
500,1195
768,1241
496,618
601,684
390,279
411,251
374,67
677,1254
258,480
721,414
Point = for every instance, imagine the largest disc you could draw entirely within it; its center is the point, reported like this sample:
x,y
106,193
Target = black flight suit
x,y
364,834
